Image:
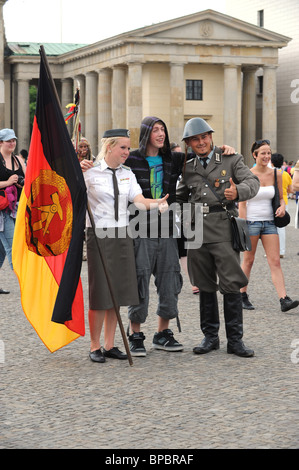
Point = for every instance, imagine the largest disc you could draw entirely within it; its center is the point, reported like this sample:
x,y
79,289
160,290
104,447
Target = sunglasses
x,y
263,141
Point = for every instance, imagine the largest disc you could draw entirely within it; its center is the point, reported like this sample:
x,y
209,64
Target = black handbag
x,y
286,219
240,233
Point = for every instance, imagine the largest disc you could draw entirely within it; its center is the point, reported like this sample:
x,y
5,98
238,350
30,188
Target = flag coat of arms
x,y
49,230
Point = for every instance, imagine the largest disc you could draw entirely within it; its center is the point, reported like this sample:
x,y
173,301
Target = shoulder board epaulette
x,y
126,167
191,160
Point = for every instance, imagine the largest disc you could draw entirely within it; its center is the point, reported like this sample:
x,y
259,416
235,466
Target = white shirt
x,y
259,208
100,194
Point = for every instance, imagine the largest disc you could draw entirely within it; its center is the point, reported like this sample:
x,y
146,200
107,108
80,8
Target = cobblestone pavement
x,y
166,400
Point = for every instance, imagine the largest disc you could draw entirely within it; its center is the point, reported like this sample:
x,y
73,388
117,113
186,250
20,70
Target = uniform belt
x,y
216,208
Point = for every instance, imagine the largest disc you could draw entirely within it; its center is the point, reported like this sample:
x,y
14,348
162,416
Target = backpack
x,y
3,199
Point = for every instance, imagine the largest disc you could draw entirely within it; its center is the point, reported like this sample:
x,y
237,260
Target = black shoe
x,y
137,348
114,353
287,304
207,345
239,349
166,341
2,291
246,304
97,356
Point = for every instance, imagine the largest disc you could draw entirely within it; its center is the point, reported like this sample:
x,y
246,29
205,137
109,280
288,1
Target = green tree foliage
x,y
32,103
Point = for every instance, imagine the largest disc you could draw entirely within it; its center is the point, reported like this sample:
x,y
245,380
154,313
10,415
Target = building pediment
x,y
210,27
205,28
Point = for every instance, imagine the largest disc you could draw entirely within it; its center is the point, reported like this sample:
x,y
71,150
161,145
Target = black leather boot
x,y
209,322
247,305
233,316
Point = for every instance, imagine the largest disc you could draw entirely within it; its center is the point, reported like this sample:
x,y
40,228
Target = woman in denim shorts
x,y
260,219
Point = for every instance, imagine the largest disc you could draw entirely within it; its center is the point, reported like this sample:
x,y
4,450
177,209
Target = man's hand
x,y
227,150
163,205
86,164
231,193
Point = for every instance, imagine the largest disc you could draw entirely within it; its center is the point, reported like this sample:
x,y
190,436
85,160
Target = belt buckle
x,y
205,209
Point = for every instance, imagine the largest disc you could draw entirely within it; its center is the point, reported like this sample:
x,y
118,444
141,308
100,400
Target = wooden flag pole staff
x,y
116,307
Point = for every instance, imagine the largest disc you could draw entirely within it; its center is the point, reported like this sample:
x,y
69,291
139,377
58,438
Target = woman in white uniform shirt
x,y
111,230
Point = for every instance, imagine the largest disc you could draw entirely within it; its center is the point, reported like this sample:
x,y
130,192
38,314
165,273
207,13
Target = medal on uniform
x,y
217,183
223,172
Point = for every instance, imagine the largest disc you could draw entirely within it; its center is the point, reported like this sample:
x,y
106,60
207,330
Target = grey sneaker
x,y
165,340
136,344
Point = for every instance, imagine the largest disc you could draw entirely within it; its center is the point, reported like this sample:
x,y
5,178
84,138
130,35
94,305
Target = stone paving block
x,y
165,400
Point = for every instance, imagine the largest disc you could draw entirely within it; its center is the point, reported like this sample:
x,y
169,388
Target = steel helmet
x,y
196,126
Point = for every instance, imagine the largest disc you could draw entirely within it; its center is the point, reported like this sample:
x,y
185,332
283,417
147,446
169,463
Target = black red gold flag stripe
x,y
49,231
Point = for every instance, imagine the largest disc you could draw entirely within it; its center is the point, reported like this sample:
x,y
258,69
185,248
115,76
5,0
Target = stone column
x,y
134,101
248,113
119,97
67,98
91,110
231,132
270,106
177,87
23,113
104,102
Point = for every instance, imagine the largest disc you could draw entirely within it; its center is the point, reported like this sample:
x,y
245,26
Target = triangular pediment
x,y
212,27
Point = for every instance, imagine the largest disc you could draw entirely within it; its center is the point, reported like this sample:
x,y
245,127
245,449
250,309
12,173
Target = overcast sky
x,y
88,21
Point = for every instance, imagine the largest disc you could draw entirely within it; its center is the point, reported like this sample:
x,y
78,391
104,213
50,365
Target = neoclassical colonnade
x,y
112,97
144,72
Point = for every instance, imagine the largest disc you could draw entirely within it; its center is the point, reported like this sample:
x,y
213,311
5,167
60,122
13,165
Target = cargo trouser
x,y
157,256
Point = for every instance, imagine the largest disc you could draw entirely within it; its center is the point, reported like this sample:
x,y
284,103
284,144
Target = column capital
x,y
104,70
250,68
91,73
119,67
176,62
21,79
231,65
136,60
270,66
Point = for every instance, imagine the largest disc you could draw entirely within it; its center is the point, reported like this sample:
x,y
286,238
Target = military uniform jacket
x,y
193,189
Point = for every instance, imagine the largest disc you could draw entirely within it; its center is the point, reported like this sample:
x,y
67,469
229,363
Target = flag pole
x,y
116,307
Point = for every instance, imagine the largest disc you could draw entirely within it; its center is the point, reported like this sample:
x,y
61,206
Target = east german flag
x,y
49,230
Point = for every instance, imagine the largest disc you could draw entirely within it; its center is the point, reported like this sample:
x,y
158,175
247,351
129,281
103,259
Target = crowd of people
x,y
125,185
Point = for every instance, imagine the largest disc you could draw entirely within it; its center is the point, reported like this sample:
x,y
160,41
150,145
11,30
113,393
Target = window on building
x,y
260,18
193,89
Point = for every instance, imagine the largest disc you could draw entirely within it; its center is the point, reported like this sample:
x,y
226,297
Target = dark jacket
x,y
172,168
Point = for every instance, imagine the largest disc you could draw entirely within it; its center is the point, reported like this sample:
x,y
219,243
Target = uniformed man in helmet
x,y
215,265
